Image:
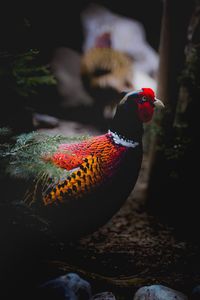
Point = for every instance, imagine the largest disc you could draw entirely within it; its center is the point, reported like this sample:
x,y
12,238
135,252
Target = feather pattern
x,y
95,161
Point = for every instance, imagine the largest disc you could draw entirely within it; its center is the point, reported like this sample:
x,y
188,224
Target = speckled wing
x,y
81,181
91,164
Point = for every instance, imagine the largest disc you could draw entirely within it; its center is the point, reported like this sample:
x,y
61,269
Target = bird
x,y
105,73
127,35
76,184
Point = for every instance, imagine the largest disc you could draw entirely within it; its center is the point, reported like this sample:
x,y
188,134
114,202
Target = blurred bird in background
x,y
127,36
105,74
115,57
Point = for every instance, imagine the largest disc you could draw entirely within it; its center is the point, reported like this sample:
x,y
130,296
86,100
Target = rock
x,y
65,67
158,292
70,286
104,296
195,295
44,121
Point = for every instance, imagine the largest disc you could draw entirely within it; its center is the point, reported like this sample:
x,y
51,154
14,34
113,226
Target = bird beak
x,y
158,103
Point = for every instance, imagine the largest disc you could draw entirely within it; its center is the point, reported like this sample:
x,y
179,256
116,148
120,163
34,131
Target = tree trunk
x,y
169,183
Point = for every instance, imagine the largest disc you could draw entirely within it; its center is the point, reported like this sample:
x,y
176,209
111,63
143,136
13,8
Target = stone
x,y
69,286
44,121
158,292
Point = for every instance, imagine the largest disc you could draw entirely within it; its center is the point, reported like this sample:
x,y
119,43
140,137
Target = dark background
x,y
58,23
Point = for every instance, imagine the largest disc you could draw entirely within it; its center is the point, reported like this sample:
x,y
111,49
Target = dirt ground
x,y
132,250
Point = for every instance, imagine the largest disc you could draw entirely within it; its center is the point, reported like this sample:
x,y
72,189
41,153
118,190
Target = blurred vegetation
x,y
23,76
23,73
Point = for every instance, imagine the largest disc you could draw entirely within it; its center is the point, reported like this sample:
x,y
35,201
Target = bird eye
x,y
144,98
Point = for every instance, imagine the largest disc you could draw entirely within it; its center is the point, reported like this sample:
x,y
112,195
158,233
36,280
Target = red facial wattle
x,y
145,108
146,101
145,111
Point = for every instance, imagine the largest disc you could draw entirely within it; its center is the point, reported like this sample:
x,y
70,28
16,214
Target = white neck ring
x,y
119,140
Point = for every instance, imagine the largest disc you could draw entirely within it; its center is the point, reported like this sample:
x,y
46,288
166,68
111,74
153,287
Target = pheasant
x,y
78,184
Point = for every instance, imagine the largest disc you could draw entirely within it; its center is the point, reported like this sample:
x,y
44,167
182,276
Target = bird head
x,y
145,100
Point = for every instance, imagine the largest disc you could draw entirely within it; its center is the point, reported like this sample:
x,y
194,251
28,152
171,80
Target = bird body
x,y
77,185
91,163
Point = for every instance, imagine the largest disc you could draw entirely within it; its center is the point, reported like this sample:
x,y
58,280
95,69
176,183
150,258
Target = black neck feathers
x,y
126,122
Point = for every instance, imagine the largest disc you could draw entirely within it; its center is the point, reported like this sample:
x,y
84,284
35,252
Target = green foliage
x,y
5,132
23,73
26,158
